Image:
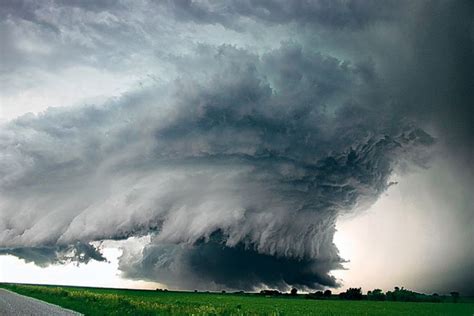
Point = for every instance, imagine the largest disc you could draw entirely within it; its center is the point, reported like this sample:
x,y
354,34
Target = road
x,y
13,304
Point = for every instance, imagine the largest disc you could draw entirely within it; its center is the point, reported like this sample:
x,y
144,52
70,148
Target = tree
x,y
404,295
455,296
435,297
352,294
293,291
318,293
270,292
315,296
376,295
327,293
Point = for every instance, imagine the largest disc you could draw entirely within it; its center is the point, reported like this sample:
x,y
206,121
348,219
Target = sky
x,y
237,145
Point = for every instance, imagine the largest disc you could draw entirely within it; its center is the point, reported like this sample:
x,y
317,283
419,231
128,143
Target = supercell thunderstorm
x,y
235,168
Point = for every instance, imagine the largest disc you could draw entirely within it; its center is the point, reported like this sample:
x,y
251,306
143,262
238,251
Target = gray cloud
x,y
44,256
334,14
209,265
256,150
239,159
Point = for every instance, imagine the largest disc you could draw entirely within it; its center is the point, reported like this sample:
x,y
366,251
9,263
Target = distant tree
x,y
393,296
318,294
223,291
404,295
327,293
376,295
352,294
435,297
293,291
455,296
270,292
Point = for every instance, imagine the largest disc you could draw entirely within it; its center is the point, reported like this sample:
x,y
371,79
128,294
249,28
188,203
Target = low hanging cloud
x,y
236,170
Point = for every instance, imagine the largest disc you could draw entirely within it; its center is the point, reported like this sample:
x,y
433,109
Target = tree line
x,y
398,294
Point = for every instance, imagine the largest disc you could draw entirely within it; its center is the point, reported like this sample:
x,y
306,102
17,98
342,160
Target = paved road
x,y
13,304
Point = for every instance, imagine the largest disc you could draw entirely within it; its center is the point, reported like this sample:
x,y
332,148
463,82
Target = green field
x,y
97,301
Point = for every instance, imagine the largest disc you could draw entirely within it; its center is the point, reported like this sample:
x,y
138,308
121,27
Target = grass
x,y
98,301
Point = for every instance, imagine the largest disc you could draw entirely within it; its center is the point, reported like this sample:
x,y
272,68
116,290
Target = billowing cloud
x,y
44,256
264,151
236,160
334,14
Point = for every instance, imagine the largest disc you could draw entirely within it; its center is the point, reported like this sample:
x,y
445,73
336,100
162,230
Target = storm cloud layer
x,y
236,157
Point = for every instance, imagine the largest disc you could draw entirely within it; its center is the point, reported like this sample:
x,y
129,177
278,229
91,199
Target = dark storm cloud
x,y
44,256
51,36
437,77
209,265
237,166
91,5
338,14
267,150
25,10
431,74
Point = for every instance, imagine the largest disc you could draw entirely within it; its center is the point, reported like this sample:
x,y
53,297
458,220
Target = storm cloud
x,y
234,160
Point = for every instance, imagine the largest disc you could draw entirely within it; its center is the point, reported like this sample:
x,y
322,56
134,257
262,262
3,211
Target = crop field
x,y
98,301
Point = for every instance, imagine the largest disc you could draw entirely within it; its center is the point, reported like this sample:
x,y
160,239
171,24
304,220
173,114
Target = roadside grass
x,y
99,301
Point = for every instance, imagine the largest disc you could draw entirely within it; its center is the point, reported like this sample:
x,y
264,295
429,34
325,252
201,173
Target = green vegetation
x,y
97,301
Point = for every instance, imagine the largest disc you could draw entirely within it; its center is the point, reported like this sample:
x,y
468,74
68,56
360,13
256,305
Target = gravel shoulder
x,y
13,304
